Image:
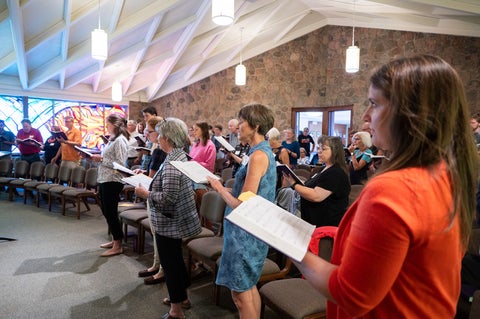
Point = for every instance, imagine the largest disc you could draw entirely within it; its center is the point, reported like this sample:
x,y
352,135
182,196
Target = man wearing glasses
x,y
70,156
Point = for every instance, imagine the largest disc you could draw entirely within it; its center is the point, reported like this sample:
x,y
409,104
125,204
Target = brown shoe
x,y
146,273
153,281
185,304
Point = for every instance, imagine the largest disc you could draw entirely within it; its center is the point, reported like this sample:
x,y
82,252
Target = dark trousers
x,y
109,193
176,275
31,158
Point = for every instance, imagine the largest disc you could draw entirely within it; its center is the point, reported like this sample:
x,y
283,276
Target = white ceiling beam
x,y
16,23
179,49
141,54
453,5
67,8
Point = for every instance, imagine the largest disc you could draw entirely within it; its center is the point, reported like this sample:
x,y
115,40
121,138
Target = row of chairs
x,y
68,185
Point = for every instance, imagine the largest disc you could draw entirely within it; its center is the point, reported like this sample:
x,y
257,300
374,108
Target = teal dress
x,y
243,255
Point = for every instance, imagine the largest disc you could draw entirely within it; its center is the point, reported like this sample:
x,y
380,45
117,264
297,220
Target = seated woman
x,y
360,159
324,198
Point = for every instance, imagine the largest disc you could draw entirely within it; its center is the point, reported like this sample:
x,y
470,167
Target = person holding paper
x,y
243,254
132,143
203,150
110,180
359,157
399,247
52,147
154,274
70,156
173,213
29,141
324,197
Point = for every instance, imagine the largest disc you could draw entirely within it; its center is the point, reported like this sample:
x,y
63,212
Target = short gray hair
x,y
174,130
273,134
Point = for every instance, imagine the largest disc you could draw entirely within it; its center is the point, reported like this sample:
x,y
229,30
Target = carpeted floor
x,y
53,270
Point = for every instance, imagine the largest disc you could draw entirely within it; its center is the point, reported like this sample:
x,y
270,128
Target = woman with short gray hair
x,y
172,212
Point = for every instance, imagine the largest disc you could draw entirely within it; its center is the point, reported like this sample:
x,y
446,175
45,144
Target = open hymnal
x,y
137,179
283,168
105,138
140,142
59,134
225,144
83,151
133,179
28,139
275,226
143,149
194,171
122,169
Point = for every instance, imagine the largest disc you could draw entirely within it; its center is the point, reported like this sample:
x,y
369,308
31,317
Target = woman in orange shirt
x,y
398,250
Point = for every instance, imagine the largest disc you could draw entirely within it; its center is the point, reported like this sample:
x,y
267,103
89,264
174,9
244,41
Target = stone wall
x,y
309,72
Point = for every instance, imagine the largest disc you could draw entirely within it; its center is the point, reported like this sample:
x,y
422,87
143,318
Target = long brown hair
x,y
338,154
428,105
120,126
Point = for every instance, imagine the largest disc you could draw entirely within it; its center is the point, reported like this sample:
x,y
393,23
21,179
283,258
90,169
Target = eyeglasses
x,y
356,138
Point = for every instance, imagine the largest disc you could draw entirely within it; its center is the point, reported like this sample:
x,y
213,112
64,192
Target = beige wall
x,y
309,72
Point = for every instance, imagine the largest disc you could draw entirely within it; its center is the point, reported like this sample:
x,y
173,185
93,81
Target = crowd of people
x,y
405,233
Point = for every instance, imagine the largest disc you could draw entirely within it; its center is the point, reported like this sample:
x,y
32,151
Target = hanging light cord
x,y
354,16
241,44
99,15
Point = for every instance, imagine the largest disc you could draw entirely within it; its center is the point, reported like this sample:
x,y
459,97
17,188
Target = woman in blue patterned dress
x,y
243,255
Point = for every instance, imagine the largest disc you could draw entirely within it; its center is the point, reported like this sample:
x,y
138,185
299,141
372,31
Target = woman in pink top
x,y
399,247
203,150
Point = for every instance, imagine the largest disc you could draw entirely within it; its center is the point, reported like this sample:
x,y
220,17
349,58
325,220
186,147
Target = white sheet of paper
x,y
194,171
137,179
274,225
224,143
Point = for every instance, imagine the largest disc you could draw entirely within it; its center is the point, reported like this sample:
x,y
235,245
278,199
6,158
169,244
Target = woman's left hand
x,y
215,184
141,191
288,179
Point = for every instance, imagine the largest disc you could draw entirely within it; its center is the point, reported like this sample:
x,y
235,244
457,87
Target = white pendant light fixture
x,y
222,11
117,93
99,41
241,70
352,62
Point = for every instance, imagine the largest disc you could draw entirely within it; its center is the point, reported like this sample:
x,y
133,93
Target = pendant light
x,y
222,11
241,70
352,62
99,41
117,93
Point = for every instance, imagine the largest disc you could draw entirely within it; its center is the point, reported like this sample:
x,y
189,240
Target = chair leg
x,y
78,207
49,202
10,192
141,239
63,205
85,201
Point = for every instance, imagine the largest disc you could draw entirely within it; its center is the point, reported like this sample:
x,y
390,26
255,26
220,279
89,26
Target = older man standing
x,y
70,156
133,142
29,141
